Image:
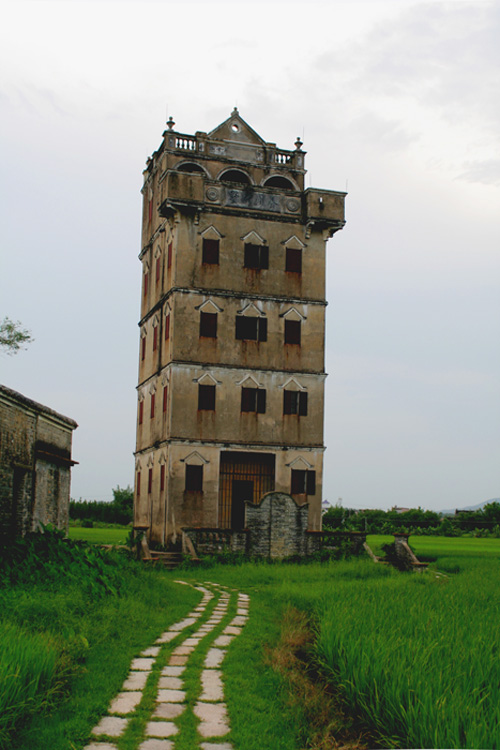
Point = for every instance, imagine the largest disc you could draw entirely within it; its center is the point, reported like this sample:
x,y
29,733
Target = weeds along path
x,y
173,697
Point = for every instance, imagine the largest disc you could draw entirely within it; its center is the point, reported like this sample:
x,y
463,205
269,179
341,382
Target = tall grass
x,y
418,657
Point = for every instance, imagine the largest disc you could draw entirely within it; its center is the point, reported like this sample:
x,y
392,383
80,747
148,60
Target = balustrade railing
x,y
185,143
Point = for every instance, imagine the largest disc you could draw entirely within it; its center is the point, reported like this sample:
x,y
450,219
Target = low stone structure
x,y
275,527
35,464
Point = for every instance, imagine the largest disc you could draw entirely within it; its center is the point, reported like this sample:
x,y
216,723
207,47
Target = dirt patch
x,y
329,726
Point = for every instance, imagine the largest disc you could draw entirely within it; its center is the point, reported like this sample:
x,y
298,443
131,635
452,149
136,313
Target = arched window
x,y
235,175
279,182
190,167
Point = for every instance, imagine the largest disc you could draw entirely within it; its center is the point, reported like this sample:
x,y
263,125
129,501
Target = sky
x,y
396,102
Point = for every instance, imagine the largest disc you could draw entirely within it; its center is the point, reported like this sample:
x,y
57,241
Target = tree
x,y
13,337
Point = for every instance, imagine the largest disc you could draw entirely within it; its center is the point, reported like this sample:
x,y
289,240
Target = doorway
x,y
244,477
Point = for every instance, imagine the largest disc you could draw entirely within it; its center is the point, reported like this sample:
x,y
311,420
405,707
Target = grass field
x,y
100,535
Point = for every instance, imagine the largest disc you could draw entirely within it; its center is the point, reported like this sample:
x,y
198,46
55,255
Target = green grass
x,y
100,535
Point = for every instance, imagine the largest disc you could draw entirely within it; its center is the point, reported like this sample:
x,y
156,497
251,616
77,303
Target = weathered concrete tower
x,y
232,329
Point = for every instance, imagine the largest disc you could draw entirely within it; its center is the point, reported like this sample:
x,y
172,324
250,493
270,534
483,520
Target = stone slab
x,y
216,746
223,640
183,650
177,626
111,725
172,671
171,696
213,719
100,746
151,651
178,661
125,703
231,630
191,642
239,621
167,637
142,664
214,657
136,681
242,611
168,710
156,745
212,687
174,683
161,729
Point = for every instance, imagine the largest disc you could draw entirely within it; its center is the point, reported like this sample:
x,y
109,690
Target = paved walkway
x,y
162,730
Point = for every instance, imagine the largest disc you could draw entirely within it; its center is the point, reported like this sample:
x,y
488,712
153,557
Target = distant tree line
x,y
484,522
120,510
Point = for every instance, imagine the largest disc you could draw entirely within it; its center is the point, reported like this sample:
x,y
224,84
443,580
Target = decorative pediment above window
x,y
249,381
293,314
251,311
145,266
292,384
163,458
157,252
138,465
300,463
211,233
207,379
151,460
142,394
209,306
152,388
144,331
156,320
194,459
165,379
294,243
254,238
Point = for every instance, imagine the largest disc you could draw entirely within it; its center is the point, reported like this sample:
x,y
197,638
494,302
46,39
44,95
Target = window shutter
x,y
211,252
169,255
138,484
248,399
261,401
303,404
146,278
311,482
287,402
162,477
157,270
153,397
246,328
298,482
208,325
293,260
143,347
262,329
292,332
141,411
155,337
206,397
264,256
167,327
150,209
165,398
194,478
150,481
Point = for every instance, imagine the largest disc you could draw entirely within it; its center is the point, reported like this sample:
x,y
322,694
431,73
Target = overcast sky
x,y
398,101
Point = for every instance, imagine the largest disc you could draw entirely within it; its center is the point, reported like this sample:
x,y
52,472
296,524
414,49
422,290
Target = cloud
x,y
486,172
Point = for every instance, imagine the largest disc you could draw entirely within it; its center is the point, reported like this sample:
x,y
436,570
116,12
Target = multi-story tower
x,y
232,329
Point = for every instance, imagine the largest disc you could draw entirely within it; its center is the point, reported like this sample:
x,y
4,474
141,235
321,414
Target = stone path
x,y
172,699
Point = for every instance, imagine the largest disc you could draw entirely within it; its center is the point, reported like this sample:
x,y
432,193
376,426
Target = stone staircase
x,y
169,560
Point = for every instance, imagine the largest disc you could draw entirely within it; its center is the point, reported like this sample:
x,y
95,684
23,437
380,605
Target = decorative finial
x,y
170,123
235,111
298,143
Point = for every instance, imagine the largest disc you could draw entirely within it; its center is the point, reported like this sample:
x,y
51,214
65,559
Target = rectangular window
x,y
153,398
293,260
155,337
253,399
141,411
138,484
143,347
165,398
206,397
162,477
150,209
256,256
295,402
150,481
158,269
211,252
303,482
251,329
167,327
169,255
208,325
194,478
146,279
292,332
